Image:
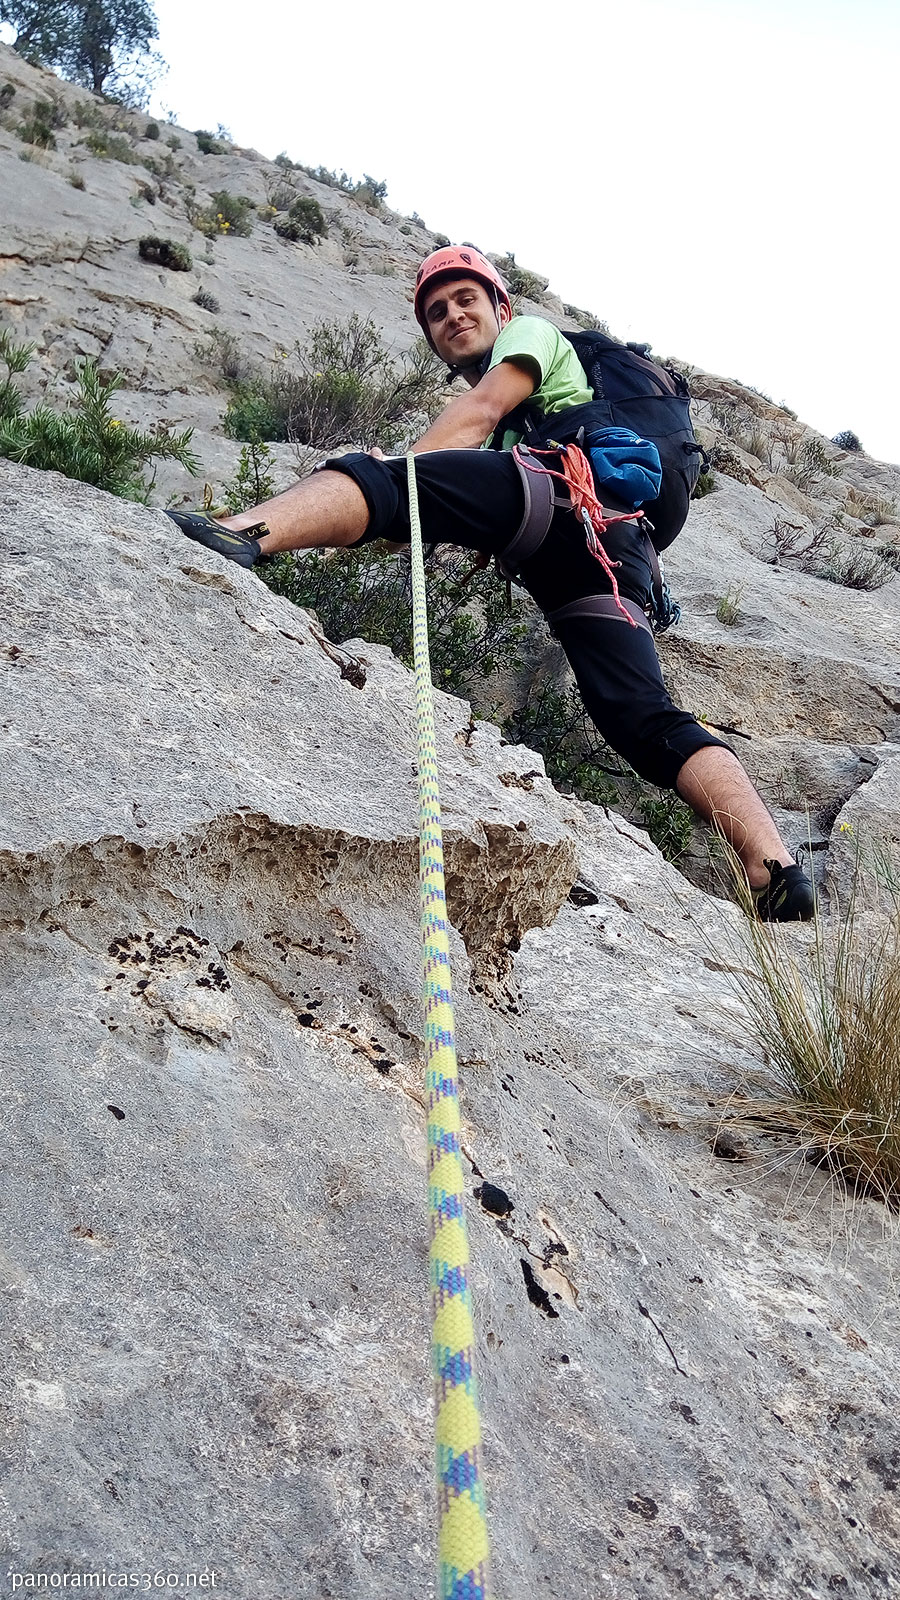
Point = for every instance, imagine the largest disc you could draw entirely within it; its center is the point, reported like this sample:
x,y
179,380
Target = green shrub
x,y
366,594
37,133
223,352
847,440
518,280
7,96
728,610
344,388
173,141
43,122
160,169
229,214
86,114
205,300
152,130
84,441
165,253
253,481
586,319
110,146
257,410
371,192
814,462
304,221
286,228
856,568
334,180
206,144
705,485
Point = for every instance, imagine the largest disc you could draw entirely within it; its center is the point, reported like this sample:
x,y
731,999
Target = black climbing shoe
x,y
788,896
239,547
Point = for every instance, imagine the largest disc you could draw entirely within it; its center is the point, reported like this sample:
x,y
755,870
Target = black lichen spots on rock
x,y
641,1505
494,1200
536,1293
581,895
887,1468
681,1409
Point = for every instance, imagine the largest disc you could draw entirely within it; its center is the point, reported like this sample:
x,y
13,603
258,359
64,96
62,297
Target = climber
x,y
489,501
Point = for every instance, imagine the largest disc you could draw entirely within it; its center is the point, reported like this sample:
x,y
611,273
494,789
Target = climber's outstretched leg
x,y
326,509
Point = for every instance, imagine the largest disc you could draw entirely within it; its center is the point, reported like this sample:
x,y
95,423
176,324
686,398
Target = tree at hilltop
x,y
105,45
41,26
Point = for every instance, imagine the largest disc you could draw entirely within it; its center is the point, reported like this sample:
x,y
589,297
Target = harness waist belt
x,y
600,605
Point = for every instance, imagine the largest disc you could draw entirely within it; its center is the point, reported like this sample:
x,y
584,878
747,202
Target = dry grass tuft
x,y
827,1014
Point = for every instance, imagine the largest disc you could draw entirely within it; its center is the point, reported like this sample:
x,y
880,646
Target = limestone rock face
x,y
212,1263
214,1242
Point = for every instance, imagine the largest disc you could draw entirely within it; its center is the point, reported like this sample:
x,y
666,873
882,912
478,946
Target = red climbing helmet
x,y
458,261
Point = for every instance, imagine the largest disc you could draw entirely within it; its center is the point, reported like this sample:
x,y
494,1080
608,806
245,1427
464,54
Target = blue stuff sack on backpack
x,y
626,465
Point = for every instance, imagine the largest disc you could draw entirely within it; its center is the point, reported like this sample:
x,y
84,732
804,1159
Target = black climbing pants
x,y
474,498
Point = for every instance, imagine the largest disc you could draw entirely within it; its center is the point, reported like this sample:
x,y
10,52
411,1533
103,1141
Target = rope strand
x,y
462,1531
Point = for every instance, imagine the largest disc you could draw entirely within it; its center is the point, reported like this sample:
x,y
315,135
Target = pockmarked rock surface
x,y
213,1259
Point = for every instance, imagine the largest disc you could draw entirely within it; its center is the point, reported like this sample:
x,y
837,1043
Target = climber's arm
x,y
470,419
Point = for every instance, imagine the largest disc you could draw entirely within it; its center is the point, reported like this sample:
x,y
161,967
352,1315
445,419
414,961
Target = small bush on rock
x,y
152,130
365,594
304,221
847,440
85,441
728,610
856,568
7,96
814,462
44,120
206,144
110,146
234,213
165,253
205,300
253,481
371,192
519,281
223,352
345,388
586,319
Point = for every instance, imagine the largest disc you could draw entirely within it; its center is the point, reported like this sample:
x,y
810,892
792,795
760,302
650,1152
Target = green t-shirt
x,y
541,347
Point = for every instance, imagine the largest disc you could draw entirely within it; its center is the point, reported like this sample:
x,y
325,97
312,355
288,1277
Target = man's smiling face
x,y
462,321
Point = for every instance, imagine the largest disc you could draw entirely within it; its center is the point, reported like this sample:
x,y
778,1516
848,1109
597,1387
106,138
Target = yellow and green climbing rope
x,y
462,1536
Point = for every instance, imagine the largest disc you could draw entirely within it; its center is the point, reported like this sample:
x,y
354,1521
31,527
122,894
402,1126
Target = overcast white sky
x,y
718,177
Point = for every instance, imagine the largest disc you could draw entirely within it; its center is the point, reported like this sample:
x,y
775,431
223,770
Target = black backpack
x,y
630,391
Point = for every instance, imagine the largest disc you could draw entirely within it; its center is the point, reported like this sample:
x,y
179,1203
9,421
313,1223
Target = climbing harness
x,y
576,474
462,1520
541,502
